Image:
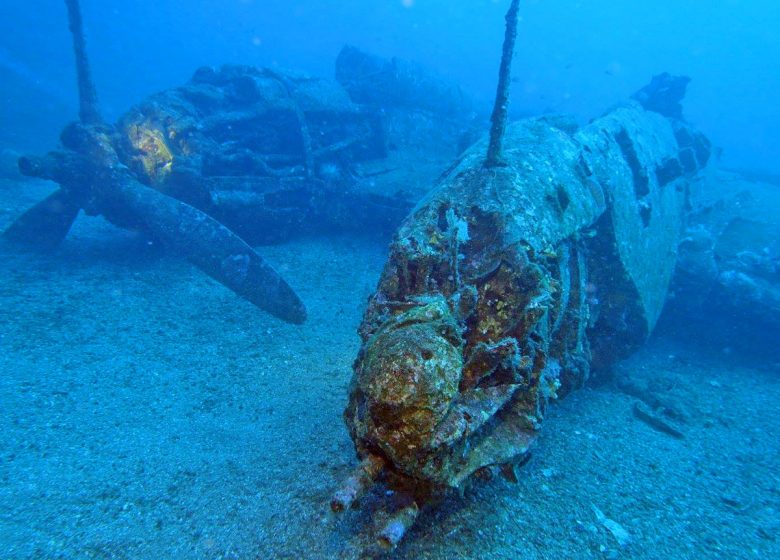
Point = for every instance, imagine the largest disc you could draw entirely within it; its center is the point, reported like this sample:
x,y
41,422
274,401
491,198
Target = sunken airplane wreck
x,y
517,274
93,174
511,280
242,153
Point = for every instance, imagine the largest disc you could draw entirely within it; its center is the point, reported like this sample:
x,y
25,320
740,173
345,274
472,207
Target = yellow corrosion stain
x,y
154,155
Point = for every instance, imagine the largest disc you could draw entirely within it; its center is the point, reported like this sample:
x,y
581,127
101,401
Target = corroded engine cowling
x,y
268,153
505,285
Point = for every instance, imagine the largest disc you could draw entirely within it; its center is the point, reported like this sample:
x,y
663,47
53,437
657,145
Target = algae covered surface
x,y
149,413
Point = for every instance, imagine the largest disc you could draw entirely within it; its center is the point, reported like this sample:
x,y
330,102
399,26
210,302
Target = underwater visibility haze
x,y
389,278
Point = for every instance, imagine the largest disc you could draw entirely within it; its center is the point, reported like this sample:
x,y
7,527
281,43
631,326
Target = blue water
x,y
149,412
572,56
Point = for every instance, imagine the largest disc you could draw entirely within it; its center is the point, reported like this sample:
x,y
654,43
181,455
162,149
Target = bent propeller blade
x,y
45,225
208,244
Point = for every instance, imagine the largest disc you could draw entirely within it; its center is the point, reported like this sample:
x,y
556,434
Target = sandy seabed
x,y
148,413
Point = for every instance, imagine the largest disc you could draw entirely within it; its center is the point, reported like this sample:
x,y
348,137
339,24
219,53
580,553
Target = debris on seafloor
x,y
729,256
622,536
658,407
654,393
643,413
512,279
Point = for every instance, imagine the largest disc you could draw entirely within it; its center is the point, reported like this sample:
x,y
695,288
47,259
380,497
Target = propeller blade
x,y
205,242
45,225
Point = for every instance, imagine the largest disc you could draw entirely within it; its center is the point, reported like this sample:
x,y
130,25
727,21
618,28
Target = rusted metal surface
x,y
506,285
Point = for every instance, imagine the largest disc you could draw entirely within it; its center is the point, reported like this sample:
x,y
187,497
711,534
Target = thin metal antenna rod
x,y
498,118
88,103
